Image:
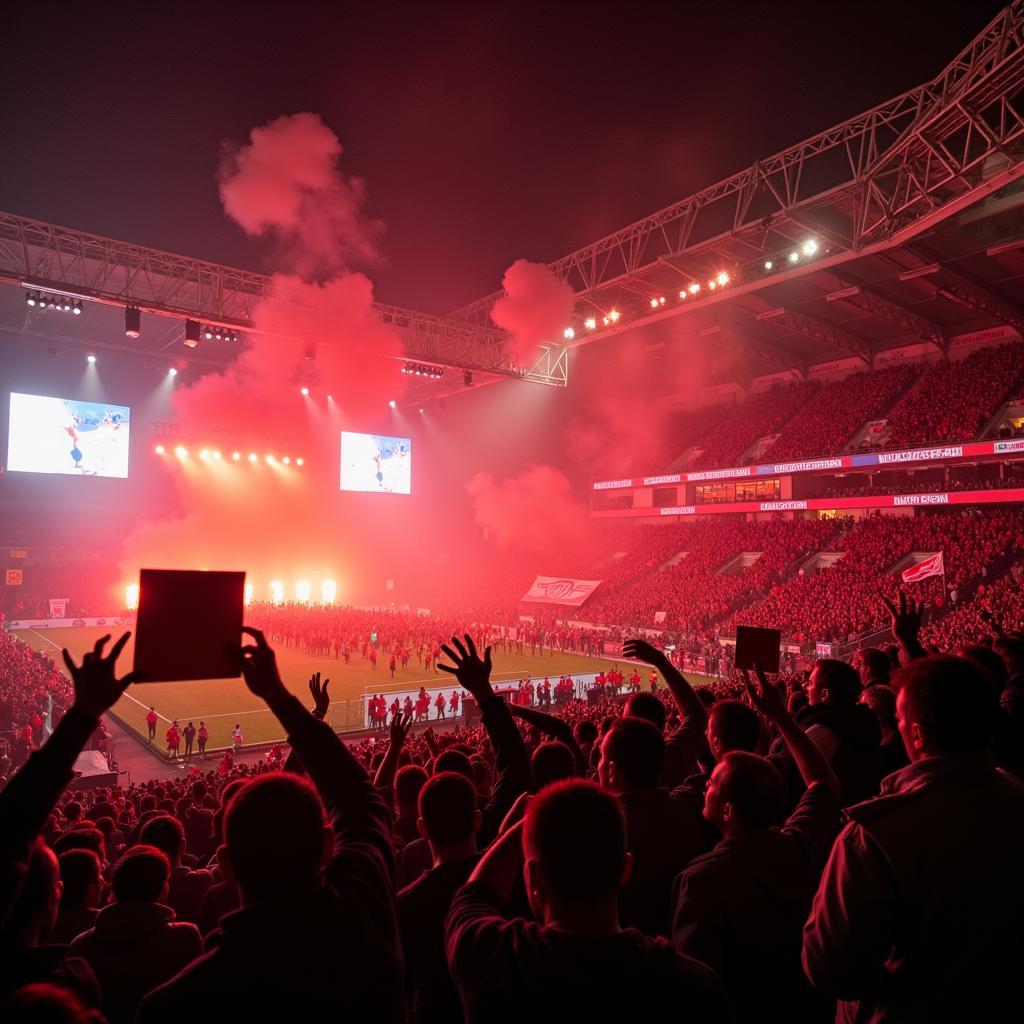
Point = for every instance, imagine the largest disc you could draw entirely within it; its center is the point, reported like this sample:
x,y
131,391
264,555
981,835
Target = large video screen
x,y
63,435
373,462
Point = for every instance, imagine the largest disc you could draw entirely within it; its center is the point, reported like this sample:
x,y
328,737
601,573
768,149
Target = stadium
x,y
663,605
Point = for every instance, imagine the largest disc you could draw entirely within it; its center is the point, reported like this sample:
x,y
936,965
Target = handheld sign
x,y
186,621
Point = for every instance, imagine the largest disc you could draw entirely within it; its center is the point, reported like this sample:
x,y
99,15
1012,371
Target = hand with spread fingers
x,y
400,726
906,618
472,671
643,651
97,688
321,699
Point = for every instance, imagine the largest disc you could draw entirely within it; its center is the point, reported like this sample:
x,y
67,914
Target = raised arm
x,y
691,708
385,777
359,817
770,700
321,705
31,795
512,761
553,726
906,626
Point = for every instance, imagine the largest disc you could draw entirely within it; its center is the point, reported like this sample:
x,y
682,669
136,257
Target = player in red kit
x,y
439,704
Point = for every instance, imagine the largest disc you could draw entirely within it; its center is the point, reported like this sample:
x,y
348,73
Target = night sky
x,y
484,132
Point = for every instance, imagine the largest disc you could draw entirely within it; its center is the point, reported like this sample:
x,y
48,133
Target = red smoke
x,y
533,510
282,522
536,307
286,183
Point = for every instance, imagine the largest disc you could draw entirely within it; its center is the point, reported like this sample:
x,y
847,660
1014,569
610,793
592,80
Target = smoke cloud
x,y
533,510
285,183
536,307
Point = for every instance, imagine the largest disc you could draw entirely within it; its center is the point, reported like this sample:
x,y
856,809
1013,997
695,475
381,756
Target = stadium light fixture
x,y
299,462
159,449
590,323
181,452
276,592
303,391
810,247
208,333
712,285
217,455
270,460
328,591
91,358
287,460
794,256
568,334
192,330
614,315
132,322
235,456
694,288
722,279
654,303
172,372
768,264
76,309
391,404
204,455
252,456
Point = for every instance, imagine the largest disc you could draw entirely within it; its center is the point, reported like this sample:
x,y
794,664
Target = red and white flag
x,y
931,566
560,590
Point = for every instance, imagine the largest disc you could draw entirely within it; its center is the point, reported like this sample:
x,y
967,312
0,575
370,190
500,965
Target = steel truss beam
x,y
768,350
872,181
821,330
119,273
953,286
877,305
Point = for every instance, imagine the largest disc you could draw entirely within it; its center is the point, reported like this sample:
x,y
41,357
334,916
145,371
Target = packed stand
x,y
840,603
760,415
685,849
694,593
953,401
829,419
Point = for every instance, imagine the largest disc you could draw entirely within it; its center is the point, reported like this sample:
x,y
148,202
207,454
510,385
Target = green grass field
x,y
222,703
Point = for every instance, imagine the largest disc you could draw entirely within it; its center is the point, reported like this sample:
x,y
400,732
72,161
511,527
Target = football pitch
x,y
224,703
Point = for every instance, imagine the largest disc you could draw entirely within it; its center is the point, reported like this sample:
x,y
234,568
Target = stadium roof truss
x,y
892,197
118,274
867,186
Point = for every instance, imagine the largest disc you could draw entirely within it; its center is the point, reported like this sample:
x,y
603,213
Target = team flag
x,y
931,566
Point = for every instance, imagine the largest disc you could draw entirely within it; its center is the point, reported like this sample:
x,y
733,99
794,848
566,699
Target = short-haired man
x,y
917,917
449,820
317,926
573,961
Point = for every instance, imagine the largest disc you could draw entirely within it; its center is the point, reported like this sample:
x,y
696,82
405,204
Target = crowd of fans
x,y
952,401
694,593
840,603
837,844
827,421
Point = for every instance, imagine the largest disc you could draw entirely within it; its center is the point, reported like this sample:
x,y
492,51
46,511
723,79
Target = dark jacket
x,y
519,972
856,756
741,909
918,914
422,908
132,948
332,945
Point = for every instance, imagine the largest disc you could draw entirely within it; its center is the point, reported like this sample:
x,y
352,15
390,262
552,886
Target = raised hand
x,y
321,699
258,666
400,726
97,688
769,698
643,651
906,618
472,672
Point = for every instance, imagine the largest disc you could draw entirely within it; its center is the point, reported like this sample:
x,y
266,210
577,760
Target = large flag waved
x,y
560,590
931,566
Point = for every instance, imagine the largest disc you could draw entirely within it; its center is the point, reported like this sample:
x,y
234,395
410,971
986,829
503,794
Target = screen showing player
x,y
63,435
373,462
